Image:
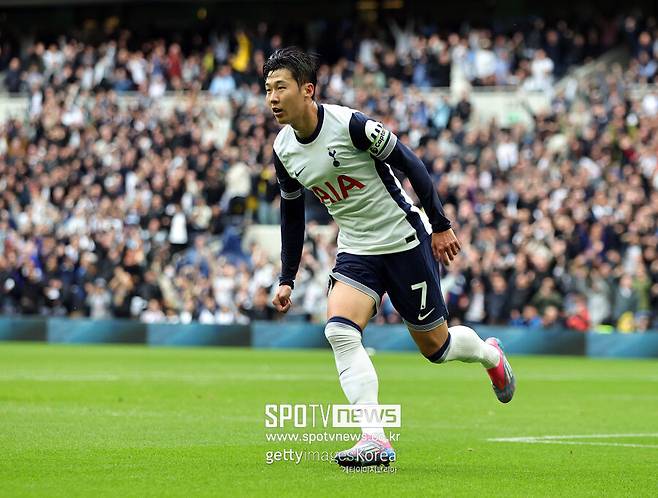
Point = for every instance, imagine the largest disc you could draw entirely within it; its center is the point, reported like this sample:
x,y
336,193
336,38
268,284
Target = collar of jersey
x,y
316,132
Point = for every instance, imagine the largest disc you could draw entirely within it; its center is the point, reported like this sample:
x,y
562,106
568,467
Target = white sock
x,y
356,373
466,345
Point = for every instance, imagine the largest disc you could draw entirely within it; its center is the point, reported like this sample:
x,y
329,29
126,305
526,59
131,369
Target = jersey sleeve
x,y
290,188
402,158
368,134
292,224
383,145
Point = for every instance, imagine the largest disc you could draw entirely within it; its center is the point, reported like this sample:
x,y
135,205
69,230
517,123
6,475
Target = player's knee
x,y
439,352
342,332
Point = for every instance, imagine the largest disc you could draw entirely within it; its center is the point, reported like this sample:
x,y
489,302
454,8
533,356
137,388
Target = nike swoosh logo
x,y
422,317
297,173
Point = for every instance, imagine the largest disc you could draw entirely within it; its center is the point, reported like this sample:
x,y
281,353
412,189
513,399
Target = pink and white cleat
x,y
502,377
368,451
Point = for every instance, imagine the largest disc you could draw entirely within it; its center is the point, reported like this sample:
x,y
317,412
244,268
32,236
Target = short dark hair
x,y
302,65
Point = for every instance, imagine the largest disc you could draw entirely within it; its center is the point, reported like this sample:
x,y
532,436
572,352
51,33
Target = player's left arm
x,y
384,146
445,244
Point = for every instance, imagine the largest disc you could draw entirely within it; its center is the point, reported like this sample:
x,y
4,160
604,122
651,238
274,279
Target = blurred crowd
x,y
528,53
115,209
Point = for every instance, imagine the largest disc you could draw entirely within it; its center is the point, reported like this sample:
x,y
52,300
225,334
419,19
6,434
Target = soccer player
x,y
385,243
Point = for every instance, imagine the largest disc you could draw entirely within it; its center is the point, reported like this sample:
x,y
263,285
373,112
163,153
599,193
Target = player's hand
x,y
282,299
445,246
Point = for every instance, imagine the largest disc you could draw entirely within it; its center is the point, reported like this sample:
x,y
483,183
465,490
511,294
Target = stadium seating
x,y
132,179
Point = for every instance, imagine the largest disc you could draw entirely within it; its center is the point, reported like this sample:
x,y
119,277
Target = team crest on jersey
x,y
332,154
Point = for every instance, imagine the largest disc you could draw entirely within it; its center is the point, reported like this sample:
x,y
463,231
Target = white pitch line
x,y
566,439
574,436
191,377
587,443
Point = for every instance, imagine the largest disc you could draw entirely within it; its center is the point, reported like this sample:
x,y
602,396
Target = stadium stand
x,y
119,200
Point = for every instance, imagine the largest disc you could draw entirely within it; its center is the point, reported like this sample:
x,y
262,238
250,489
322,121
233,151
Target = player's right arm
x,y
292,234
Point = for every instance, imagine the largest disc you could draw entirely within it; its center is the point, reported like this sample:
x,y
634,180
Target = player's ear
x,y
309,90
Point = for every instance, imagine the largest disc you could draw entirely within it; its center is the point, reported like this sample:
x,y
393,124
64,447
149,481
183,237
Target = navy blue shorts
x,y
411,279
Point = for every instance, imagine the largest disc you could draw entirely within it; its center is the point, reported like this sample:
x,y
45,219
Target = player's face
x,y
284,96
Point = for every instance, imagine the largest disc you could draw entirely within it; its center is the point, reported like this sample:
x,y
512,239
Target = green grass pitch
x,y
137,421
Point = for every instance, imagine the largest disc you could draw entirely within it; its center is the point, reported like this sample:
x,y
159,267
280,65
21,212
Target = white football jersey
x,y
344,164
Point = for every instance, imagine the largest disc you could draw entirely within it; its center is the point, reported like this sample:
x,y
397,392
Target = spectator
x,y
98,299
178,231
13,76
578,319
541,69
223,84
153,314
546,296
238,186
260,308
529,318
476,312
497,301
625,298
551,319
521,291
598,296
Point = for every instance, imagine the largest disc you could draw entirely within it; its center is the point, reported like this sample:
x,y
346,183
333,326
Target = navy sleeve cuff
x,y
291,283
